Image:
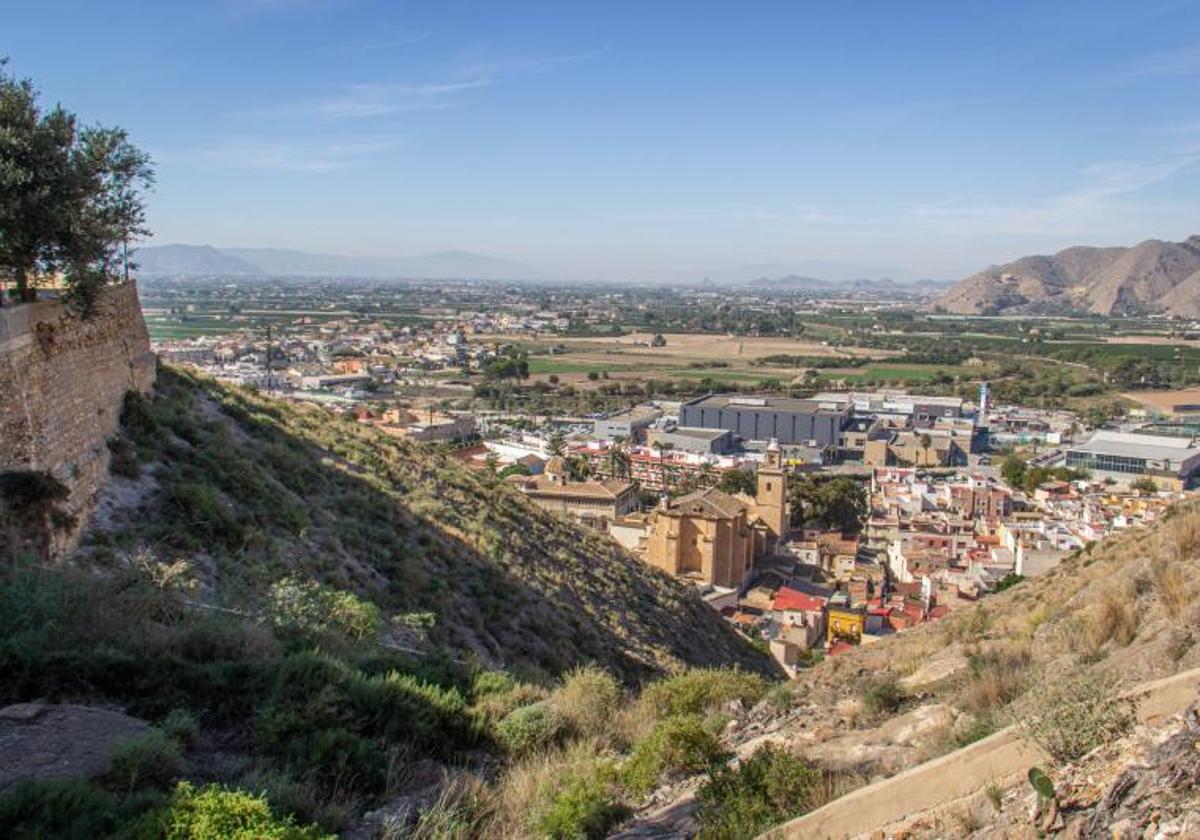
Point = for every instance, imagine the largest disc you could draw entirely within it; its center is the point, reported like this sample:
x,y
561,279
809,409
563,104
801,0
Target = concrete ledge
x,y
998,758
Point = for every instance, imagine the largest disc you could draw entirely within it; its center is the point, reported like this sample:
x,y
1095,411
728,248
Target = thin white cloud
x,y
380,43
291,156
1184,62
1104,201
378,99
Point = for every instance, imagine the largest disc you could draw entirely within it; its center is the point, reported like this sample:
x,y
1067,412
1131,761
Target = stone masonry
x,y
62,382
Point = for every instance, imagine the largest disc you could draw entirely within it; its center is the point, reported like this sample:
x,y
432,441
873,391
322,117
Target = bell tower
x,y
772,490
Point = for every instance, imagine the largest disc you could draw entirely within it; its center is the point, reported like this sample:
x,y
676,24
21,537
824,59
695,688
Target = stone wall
x,y
62,382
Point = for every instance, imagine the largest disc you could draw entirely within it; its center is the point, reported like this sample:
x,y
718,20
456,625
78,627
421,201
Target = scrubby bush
x,y
583,805
180,726
768,788
881,696
693,692
1070,715
150,759
217,813
678,746
586,700
528,728
995,676
1115,618
310,609
74,810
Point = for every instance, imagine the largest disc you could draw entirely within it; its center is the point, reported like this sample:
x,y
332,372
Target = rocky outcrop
x,y
57,742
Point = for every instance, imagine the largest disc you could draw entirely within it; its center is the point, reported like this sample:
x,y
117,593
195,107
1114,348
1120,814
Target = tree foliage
x,y
70,196
832,502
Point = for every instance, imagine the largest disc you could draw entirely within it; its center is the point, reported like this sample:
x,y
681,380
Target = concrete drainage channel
x,y
999,758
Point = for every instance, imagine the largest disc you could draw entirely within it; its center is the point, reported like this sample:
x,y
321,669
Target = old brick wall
x,y
62,382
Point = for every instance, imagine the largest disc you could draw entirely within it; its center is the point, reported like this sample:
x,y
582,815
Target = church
x,y
714,538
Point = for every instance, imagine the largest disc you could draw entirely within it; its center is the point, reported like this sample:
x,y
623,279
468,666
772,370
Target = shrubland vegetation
x,y
330,605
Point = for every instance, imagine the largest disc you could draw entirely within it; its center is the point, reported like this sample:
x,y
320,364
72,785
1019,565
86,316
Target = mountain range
x,y
816,274
181,259
1151,277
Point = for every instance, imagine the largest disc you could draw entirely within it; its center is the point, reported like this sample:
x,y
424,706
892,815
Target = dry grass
x,y
1185,535
1114,618
587,700
519,792
1171,584
996,676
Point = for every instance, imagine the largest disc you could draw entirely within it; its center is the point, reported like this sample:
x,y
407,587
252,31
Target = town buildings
x,y
1172,462
595,503
713,538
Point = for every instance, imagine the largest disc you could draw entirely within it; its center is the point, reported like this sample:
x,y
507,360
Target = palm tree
x,y
556,443
663,447
926,442
707,474
616,456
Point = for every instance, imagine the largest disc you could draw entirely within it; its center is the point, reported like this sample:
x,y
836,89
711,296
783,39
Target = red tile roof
x,y
791,599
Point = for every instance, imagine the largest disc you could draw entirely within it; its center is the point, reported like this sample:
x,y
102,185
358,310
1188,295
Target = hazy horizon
x,y
629,142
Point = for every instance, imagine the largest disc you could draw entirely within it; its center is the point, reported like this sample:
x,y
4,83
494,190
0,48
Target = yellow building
x,y
846,623
714,538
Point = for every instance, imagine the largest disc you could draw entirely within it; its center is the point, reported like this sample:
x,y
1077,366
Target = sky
x,y
634,140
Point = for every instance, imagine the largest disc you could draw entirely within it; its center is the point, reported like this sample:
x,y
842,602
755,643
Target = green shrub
x,y
309,609
693,692
492,682
528,728
881,696
217,813
75,810
586,700
180,726
1071,715
583,805
124,460
768,788
678,746
150,759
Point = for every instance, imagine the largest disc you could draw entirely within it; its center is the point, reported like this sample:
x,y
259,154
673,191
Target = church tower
x,y
772,490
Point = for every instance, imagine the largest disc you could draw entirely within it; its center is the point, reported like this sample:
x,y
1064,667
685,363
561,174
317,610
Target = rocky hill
x,y
249,490
277,616
1058,647
1153,276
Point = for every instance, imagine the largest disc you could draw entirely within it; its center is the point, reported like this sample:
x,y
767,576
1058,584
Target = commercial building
x,y
684,439
786,419
1173,462
921,409
629,425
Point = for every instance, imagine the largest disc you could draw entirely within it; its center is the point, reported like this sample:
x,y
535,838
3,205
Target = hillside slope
x,y
249,490
1115,615
1153,276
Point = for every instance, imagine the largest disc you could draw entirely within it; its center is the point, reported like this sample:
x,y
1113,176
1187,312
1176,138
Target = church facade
x,y
713,538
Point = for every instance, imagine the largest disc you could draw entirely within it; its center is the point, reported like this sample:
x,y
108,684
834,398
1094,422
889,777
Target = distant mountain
x,y
810,273
1151,277
190,259
204,259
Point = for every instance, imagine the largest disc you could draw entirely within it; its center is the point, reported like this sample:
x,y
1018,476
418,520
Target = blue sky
x,y
639,139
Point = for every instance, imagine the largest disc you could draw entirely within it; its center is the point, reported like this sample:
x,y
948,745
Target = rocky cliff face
x,y
1153,276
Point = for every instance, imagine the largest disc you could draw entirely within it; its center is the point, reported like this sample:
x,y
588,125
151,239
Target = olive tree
x,y
71,196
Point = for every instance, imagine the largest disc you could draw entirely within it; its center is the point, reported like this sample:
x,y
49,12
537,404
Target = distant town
x,y
823,479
